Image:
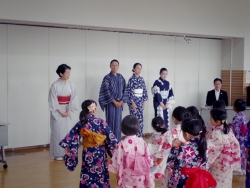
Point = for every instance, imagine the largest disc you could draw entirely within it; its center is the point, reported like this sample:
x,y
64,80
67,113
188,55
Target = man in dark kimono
x,y
112,95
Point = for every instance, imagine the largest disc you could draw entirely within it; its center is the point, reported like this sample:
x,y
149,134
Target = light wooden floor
x,y
35,169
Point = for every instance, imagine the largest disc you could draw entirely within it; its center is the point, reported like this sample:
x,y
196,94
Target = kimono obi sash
x,y
137,164
198,177
91,139
138,92
63,99
164,94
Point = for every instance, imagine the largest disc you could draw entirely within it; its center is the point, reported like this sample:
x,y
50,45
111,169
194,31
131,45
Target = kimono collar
x,y
240,113
195,140
89,116
62,81
161,79
220,127
113,74
135,76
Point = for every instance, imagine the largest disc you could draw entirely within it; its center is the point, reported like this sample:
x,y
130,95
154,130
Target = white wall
x,y
31,55
194,17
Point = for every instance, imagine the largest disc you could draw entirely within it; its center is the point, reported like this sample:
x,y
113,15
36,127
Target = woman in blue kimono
x,y
97,138
163,96
137,95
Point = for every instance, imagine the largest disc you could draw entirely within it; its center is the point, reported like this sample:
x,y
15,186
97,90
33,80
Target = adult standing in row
x,y
112,95
62,100
163,96
137,95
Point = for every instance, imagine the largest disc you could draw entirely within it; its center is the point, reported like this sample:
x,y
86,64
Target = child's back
x,y
129,153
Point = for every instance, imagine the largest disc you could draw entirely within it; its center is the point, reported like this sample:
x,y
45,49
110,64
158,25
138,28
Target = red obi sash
x,y
63,99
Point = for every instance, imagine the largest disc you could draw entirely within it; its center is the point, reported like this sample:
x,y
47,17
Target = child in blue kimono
x,y
97,139
163,96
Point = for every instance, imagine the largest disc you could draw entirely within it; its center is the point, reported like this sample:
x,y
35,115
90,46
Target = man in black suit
x,y
216,93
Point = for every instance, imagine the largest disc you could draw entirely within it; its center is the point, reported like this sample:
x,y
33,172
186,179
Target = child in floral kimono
x,y
160,149
248,157
179,114
97,139
239,127
223,150
132,160
190,155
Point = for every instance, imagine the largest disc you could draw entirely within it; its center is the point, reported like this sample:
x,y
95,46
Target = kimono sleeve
x,y
53,101
157,92
214,146
236,127
73,104
171,99
71,140
105,96
172,161
125,96
145,93
148,156
111,140
130,90
71,143
248,138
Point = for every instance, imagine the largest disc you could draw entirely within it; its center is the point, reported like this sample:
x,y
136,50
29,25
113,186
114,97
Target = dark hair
x,y
220,104
217,79
179,113
194,113
157,124
130,125
62,68
85,111
195,127
220,115
114,60
135,66
240,105
163,69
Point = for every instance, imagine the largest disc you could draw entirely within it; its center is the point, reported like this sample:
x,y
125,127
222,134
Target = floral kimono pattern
x,y
185,156
131,162
239,127
94,172
223,156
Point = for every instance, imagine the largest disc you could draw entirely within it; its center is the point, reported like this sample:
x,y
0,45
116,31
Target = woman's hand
x,y
166,105
68,112
144,104
134,106
63,114
162,105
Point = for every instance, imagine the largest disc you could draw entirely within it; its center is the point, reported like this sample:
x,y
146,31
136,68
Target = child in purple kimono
x,y
239,127
190,155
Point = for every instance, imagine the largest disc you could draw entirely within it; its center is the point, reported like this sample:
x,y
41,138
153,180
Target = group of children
x,y
184,156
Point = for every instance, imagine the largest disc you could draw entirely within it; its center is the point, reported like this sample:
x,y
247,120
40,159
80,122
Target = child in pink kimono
x,y
223,150
239,127
132,160
160,149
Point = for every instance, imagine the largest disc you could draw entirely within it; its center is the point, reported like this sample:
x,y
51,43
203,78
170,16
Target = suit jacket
x,y
211,97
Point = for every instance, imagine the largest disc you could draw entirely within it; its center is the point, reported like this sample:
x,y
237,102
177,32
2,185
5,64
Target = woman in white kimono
x,y
62,100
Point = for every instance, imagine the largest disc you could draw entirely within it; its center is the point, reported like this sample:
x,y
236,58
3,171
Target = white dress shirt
x,y
217,94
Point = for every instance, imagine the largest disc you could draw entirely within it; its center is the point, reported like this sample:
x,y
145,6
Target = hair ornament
x,y
92,107
223,121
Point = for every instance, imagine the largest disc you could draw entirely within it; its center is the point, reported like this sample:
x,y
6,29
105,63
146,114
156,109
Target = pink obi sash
x,y
63,99
138,164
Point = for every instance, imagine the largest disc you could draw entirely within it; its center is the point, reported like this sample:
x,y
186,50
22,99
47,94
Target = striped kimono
x,y
59,125
113,88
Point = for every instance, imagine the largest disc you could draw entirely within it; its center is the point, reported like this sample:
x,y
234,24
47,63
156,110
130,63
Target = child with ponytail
x,y
223,150
190,159
97,138
159,149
